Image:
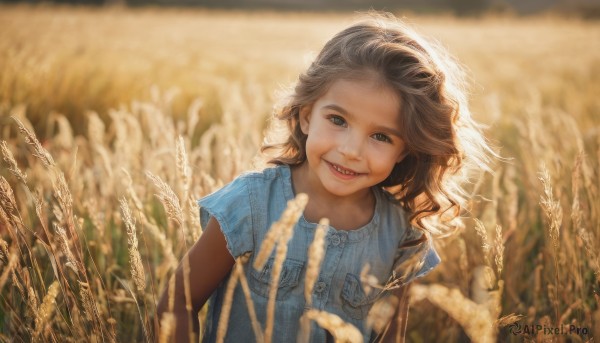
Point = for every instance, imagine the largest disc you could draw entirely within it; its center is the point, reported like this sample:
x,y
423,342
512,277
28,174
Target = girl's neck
x,y
344,212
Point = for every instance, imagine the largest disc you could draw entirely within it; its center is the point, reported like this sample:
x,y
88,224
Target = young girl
x,y
379,134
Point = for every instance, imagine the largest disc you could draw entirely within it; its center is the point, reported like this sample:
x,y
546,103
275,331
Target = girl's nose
x,y
351,146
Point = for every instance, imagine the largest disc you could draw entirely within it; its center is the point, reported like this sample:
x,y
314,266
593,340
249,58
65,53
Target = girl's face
x,y
353,136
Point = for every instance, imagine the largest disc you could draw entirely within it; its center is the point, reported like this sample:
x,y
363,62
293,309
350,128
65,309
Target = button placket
x,y
320,287
338,239
335,240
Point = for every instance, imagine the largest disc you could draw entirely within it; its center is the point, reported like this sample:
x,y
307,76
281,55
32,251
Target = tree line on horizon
x,y
581,8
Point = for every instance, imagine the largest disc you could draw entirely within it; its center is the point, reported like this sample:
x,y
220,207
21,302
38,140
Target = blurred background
x,y
149,105
587,8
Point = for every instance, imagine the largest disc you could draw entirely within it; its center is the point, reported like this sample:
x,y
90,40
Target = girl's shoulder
x,y
257,178
261,183
270,173
252,187
245,206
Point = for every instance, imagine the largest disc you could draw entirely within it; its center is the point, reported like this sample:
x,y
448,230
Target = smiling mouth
x,y
343,170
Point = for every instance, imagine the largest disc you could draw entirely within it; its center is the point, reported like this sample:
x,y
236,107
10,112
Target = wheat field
x,y
113,121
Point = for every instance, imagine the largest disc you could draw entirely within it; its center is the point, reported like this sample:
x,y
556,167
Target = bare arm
x,y
210,261
396,329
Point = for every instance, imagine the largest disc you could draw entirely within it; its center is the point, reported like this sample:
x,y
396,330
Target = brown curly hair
x,y
440,136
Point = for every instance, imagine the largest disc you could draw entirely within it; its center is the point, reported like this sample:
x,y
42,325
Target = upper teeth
x,y
343,171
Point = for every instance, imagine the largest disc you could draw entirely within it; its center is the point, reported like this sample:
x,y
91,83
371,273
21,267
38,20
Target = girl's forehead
x,y
361,88
367,78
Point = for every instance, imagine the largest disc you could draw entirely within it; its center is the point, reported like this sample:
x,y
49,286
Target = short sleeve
x,y
416,256
230,206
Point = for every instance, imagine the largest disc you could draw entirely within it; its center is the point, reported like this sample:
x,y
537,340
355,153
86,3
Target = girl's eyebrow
x,y
337,108
385,129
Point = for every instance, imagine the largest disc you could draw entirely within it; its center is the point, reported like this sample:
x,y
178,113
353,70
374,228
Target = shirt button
x,y
335,240
320,287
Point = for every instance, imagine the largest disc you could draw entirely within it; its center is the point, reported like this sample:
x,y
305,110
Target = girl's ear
x,y
305,112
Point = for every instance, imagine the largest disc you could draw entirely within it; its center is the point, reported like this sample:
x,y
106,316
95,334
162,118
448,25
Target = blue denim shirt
x,y
245,209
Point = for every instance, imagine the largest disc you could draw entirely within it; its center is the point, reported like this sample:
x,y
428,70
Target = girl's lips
x,y
341,172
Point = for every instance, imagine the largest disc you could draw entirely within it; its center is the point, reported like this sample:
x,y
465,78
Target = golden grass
x,y
316,253
99,89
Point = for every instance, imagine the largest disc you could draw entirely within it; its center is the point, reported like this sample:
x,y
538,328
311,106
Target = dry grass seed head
x,y
170,262
38,149
239,270
408,268
183,167
172,285
381,313
286,222
188,295
13,260
341,331
18,284
137,268
588,239
66,250
44,314
368,281
475,319
168,198
12,163
226,309
167,327
32,299
3,250
316,252
499,247
482,232
194,219
508,320
7,197
551,207
88,302
576,212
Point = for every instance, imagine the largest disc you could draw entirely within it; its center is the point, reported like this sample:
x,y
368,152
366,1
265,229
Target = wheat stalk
x,y
188,295
12,164
551,207
475,319
382,312
13,260
287,222
499,245
554,213
168,198
7,199
341,331
167,327
167,248
66,250
316,252
171,288
135,260
487,248
44,312
288,219
226,308
239,270
38,149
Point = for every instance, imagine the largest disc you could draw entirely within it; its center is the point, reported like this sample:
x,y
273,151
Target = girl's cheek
x,y
383,155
